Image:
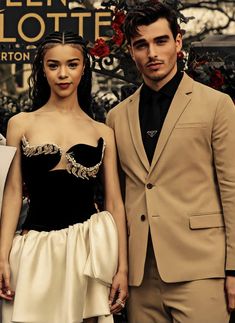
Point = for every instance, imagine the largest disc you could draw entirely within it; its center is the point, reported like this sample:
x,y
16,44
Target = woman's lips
x,y
64,86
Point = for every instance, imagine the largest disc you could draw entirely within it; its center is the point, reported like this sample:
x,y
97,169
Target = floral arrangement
x,y
214,72
116,42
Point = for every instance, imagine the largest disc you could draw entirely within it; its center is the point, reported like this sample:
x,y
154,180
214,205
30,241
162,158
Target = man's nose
x,y
152,51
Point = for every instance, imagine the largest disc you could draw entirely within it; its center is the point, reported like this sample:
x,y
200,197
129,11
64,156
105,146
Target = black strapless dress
x,y
62,269
62,197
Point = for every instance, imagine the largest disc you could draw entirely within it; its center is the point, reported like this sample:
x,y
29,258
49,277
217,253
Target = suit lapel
x,y
134,124
180,101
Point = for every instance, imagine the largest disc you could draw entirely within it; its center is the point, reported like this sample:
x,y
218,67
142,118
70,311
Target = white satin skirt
x,y
63,276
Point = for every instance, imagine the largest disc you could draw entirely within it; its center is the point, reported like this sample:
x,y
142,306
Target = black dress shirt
x,y
153,109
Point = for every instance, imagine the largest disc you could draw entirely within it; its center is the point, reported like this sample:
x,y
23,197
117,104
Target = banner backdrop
x,y
23,23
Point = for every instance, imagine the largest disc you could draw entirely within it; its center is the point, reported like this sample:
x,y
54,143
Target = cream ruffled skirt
x,y
63,276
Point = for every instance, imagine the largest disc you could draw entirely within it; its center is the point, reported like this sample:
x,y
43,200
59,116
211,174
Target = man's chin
x,y
156,77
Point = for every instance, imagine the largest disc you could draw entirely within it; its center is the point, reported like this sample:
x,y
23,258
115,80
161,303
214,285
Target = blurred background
x,y
208,55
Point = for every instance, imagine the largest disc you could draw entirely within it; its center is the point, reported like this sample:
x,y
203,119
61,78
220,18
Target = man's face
x,y
154,51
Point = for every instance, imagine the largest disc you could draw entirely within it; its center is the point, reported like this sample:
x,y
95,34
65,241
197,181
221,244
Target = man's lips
x,y
154,65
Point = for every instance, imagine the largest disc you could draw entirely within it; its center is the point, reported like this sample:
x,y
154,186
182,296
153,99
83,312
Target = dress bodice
x,y
60,197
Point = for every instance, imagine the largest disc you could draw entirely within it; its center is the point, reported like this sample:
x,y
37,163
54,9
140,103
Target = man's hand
x,y
230,289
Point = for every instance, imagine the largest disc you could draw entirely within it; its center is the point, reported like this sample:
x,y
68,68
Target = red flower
x,y
119,18
217,79
118,36
100,49
180,55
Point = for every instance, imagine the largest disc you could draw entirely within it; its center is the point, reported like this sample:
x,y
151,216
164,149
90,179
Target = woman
x,y
59,268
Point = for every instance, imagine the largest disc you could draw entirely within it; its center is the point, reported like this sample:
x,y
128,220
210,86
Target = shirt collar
x,y
168,89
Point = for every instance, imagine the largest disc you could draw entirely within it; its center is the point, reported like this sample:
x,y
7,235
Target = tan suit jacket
x,y
186,197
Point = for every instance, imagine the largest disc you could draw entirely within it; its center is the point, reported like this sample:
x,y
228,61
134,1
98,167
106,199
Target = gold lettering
x,y
18,56
2,38
99,22
80,16
57,17
3,56
9,3
49,2
14,56
26,56
29,3
10,54
42,27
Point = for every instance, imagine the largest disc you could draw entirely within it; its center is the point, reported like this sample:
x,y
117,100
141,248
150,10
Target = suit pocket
x,y
191,125
213,220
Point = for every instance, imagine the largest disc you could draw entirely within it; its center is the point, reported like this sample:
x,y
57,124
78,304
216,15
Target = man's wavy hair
x,y
39,89
146,14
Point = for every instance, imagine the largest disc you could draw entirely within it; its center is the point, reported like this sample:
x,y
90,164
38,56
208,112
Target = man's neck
x,y
156,85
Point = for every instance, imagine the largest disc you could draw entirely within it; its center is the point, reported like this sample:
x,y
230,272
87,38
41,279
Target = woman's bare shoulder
x,y
19,123
22,117
105,131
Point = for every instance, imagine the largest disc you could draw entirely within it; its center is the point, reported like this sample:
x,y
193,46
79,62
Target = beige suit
x,y
187,196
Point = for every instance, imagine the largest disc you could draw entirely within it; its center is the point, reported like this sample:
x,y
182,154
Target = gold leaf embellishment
x,y
35,150
81,171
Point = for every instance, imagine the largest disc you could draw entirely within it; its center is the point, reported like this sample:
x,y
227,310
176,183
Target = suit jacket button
x,y
149,186
142,217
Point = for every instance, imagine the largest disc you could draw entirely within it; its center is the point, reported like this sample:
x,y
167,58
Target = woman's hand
x,y
5,289
119,292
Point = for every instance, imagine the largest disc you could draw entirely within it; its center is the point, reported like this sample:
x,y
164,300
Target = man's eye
x,y
161,41
139,46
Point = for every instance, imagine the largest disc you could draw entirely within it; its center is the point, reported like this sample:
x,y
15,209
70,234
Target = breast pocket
x,y
206,221
190,125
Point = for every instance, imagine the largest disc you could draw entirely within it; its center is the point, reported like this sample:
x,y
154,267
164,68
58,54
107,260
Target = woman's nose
x,y
63,72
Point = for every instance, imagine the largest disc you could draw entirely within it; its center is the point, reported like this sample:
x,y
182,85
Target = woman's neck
x,y
63,105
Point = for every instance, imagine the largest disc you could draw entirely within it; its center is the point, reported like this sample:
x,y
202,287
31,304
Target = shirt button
x,y
149,186
142,217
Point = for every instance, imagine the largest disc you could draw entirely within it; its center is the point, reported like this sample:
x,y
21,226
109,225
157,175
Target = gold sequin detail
x,y
72,167
81,171
45,149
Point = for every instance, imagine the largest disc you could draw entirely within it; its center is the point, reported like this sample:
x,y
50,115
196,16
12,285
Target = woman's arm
x,y
11,206
114,204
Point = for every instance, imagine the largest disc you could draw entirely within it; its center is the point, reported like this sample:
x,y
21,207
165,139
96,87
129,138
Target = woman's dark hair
x,y
39,89
146,14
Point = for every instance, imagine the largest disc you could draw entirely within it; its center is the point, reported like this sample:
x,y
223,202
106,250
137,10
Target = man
x,y
176,145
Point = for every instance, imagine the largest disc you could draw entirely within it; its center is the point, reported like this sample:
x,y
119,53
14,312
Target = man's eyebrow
x,y
143,41
139,41
163,37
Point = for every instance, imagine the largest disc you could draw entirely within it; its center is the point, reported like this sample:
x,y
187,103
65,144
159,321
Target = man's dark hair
x,y
146,14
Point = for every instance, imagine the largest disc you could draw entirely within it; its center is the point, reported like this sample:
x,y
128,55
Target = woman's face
x,y
63,67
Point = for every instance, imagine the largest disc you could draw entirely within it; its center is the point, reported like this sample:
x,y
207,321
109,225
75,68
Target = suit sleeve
x,y
110,123
223,145
109,119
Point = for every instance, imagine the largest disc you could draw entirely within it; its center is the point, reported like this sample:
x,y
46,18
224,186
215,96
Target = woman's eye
x,y
73,65
52,66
